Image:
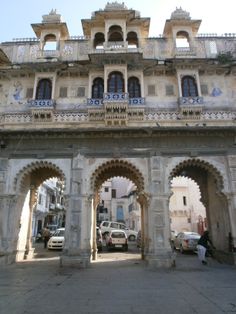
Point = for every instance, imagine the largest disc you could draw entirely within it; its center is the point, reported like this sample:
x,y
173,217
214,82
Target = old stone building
x,y
115,102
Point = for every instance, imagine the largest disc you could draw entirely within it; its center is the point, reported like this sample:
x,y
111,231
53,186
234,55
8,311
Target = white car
x,y
117,239
107,226
57,240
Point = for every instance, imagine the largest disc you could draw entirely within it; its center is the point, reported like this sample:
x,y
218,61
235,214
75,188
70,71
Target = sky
x,y
17,16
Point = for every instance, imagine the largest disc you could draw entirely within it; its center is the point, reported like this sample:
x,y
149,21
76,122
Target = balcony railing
x,y
137,101
48,54
113,98
42,103
185,51
198,100
95,101
116,97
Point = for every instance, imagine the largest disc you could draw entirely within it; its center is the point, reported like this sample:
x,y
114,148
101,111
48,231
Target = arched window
x,y
115,83
115,33
182,39
99,39
98,88
44,89
134,87
132,40
50,42
189,87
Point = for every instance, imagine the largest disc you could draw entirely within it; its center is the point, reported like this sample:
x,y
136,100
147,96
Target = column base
x,y
162,260
7,258
29,254
80,260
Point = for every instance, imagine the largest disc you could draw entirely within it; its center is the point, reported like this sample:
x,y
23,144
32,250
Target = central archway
x,y
124,169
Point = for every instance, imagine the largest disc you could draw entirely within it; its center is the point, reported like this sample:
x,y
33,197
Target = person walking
x,y
46,236
204,244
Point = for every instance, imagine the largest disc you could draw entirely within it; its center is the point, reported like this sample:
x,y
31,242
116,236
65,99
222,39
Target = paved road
x,y
116,283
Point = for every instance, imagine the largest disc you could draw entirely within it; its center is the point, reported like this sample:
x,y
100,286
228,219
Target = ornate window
x,y
99,39
134,87
44,89
115,83
182,40
98,88
50,42
115,33
132,39
189,86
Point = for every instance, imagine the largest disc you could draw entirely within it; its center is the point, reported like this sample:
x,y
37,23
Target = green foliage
x,y
225,57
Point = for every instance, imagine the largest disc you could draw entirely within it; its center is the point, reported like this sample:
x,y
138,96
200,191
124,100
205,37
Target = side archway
x,y
211,185
26,184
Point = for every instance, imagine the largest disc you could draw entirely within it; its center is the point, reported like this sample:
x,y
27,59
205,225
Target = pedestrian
x,y
204,243
46,236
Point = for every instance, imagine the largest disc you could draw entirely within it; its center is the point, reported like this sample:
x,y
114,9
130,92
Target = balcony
x,y
42,109
190,107
116,109
116,47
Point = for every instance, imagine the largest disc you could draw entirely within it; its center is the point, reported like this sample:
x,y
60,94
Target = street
x,y
116,283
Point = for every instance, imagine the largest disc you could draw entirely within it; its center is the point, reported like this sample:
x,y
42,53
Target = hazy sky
x,y
18,15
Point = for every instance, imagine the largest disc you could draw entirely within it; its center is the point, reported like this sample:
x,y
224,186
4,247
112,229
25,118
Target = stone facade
x,y
115,102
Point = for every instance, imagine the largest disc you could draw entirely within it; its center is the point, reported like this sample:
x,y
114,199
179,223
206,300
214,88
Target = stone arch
x,y
119,168
125,169
211,185
202,164
38,171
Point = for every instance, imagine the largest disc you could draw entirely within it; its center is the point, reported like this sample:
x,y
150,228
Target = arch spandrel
x,y
36,173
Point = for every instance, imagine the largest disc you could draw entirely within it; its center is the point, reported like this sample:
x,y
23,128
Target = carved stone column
x,y
8,227
77,250
160,253
29,253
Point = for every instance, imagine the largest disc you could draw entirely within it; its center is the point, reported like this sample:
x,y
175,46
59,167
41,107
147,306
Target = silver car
x,y
186,241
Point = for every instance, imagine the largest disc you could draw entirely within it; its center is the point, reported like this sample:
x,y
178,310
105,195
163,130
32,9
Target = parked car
x,y
57,240
52,228
107,226
186,241
117,239
99,239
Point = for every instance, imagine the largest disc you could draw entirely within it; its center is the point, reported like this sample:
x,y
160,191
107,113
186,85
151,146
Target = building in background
x,y
118,203
187,213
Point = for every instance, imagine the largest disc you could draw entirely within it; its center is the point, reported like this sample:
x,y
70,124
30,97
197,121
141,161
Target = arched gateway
x,y
83,177
141,108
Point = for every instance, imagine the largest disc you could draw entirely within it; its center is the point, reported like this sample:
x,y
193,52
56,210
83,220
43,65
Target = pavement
x,y
116,283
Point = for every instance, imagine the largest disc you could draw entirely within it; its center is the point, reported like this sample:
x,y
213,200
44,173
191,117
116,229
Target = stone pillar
x,y
29,249
9,225
77,250
160,253
232,202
